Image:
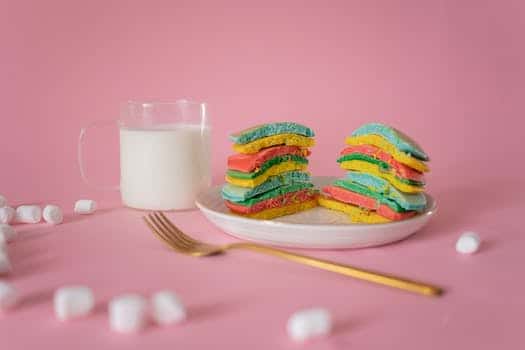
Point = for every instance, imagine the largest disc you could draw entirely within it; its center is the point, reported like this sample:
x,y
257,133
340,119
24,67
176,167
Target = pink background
x,y
449,73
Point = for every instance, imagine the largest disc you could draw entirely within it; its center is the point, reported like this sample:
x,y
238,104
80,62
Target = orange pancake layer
x,y
250,162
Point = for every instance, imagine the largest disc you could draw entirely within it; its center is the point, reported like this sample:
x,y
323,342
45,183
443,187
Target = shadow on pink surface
x,y
43,296
462,207
74,217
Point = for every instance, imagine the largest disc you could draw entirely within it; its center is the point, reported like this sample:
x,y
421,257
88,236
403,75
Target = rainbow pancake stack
x,y
268,177
385,180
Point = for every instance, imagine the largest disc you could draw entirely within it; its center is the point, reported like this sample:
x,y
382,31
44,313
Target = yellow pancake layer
x,y
280,139
356,214
272,171
282,211
386,146
366,167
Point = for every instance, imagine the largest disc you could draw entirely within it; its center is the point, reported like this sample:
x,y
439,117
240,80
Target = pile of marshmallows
x,y
127,313
130,313
31,214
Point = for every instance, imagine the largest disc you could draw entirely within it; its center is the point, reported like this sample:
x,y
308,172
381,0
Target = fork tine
x,y
168,232
182,236
167,235
157,233
175,228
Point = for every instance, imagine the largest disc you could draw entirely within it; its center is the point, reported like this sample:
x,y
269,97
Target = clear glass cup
x,y
164,154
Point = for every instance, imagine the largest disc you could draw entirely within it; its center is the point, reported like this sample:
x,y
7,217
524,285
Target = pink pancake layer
x,y
249,162
357,199
401,169
285,199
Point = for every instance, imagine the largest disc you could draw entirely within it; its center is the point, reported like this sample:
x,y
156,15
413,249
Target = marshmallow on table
x,y
309,323
167,308
7,215
73,301
8,232
128,313
5,264
468,243
85,206
8,295
29,214
53,214
3,201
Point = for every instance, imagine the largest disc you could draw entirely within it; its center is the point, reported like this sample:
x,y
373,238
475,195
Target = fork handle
x,y
347,270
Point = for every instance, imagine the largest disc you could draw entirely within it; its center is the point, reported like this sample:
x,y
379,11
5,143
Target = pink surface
x,y
448,73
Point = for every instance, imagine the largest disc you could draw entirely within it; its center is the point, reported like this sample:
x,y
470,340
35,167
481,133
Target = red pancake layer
x,y
362,201
285,199
249,162
401,169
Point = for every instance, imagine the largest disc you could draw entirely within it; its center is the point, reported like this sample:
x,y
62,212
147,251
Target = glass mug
x,y
164,154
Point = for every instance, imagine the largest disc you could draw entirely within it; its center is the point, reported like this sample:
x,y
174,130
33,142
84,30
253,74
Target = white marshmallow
x,y
167,308
309,323
29,214
7,214
8,295
3,201
73,301
85,206
53,214
8,232
5,264
468,243
128,313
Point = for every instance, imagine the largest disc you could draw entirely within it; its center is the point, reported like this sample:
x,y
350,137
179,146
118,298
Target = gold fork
x,y
175,239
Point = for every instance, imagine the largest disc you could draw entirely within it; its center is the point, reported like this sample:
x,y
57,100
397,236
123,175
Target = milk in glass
x,y
164,166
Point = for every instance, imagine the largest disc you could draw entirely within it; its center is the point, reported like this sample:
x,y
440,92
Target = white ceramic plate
x,y
314,228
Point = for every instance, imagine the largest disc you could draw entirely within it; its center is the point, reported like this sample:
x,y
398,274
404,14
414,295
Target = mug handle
x,y
80,155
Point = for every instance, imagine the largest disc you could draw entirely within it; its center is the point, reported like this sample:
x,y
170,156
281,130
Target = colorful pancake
x,y
381,165
280,139
384,145
364,182
267,165
400,169
282,198
376,169
390,211
249,180
251,162
355,213
282,211
396,138
270,129
238,194
267,177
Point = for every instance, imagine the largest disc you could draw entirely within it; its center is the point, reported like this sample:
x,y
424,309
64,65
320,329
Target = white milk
x,y
164,167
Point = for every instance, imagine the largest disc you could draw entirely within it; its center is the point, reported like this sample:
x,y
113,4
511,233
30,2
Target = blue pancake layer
x,y
238,194
417,202
265,130
401,141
